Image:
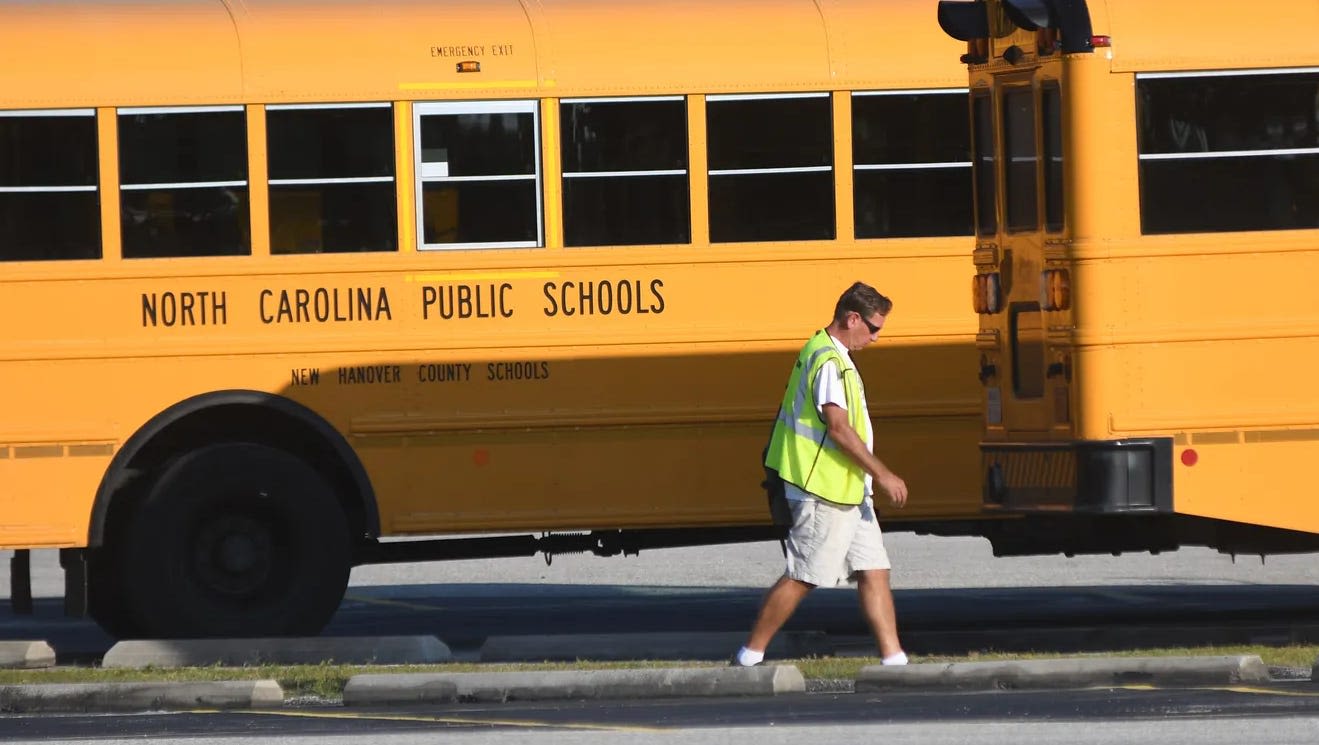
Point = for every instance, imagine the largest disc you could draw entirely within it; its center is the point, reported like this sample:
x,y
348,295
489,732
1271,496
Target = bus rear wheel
x,y
235,540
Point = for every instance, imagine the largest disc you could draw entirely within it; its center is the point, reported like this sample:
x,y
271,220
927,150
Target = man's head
x,y
859,315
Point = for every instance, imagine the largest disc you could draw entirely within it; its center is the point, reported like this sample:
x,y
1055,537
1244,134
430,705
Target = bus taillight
x,y
1055,289
985,293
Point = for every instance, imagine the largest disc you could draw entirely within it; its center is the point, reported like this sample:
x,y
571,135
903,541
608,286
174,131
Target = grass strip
x,y
327,680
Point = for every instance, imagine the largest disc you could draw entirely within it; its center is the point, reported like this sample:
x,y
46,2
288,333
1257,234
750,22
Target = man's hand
x,y
895,487
840,429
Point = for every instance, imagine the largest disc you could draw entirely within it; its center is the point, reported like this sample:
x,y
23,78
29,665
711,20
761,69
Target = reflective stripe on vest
x,y
800,448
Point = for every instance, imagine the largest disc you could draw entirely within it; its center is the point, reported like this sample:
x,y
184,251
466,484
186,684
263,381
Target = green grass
x,y
327,680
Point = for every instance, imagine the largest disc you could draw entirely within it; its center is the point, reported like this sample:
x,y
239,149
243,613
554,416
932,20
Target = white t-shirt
x,y
828,389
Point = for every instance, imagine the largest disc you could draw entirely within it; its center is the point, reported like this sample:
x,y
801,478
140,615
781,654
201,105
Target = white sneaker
x,y
746,658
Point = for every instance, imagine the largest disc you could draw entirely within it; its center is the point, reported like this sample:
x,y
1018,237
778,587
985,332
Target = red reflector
x,y
1189,457
1101,41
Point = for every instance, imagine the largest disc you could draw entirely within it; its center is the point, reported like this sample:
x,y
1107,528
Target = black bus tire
x,y
235,540
105,598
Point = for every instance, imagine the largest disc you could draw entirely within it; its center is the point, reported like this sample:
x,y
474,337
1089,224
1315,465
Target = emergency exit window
x,y
1019,178
478,174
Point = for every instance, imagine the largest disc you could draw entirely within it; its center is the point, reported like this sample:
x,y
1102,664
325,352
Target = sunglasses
x,y
872,327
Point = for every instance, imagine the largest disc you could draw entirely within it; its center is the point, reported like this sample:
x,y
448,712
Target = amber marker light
x,y
469,66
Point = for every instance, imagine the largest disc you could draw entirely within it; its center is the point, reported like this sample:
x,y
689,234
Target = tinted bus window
x,y
1019,179
986,179
912,158
49,204
771,168
478,174
1223,153
331,172
183,182
625,172
1051,118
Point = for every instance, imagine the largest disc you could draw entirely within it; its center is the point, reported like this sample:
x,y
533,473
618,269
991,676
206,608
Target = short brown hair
x,y
864,299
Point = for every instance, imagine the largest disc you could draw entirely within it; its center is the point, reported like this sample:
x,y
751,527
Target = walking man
x,y
822,447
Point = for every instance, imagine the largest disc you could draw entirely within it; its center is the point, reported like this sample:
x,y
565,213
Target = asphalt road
x,y
946,590
1287,713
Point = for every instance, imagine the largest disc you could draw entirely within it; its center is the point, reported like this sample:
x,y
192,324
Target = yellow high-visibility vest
x,y
800,448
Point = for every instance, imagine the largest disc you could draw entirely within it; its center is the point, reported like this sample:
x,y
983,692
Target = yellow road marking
x,y
530,724
1230,689
1271,692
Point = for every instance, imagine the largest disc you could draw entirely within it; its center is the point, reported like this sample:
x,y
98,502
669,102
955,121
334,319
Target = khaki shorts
x,y
831,542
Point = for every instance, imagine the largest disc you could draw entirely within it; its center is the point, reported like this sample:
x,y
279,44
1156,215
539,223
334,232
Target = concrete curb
x,y
26,654
1091,639
766,680
86,697
1083,672
648,646
313,650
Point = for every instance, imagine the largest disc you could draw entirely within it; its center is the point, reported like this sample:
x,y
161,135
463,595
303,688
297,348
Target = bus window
x,y
49,205
1226,152
478,175
982,123
331,171
911,154
183,182
1019,179
771,167
625,171
1051,114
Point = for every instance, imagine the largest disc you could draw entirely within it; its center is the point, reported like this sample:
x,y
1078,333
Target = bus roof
x,y
1181,35
61,53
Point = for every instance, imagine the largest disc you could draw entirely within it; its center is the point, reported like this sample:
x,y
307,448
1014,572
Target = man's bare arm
x,y
840,430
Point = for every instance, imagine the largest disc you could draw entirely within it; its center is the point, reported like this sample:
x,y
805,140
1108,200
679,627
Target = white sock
x,y
900,658
748,657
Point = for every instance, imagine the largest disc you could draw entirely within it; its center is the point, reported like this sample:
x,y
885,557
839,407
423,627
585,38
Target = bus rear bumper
x,y
1097,477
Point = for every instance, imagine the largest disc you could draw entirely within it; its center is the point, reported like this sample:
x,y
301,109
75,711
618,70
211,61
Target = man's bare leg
x,y
877,605
779,603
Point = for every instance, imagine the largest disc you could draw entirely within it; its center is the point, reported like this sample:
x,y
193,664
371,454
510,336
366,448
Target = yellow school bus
x,y
281,278
1147,231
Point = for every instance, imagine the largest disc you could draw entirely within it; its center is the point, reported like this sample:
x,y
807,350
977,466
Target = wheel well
x,y
246,416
